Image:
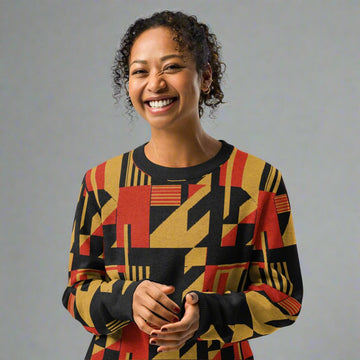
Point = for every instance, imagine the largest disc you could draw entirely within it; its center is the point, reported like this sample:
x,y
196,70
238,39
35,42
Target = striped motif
x,y
273,178
116,324
165,195
290,305
282,204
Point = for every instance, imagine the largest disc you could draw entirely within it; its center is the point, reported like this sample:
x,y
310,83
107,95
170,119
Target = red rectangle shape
x,y
134,211
282,203
165,195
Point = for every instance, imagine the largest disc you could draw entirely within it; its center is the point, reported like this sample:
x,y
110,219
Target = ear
x,y
206,78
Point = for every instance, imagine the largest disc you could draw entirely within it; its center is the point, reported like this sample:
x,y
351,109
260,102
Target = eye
x,y
138,72
173,68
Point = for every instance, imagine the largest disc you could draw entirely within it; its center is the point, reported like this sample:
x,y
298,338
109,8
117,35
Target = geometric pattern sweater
x,y
222,229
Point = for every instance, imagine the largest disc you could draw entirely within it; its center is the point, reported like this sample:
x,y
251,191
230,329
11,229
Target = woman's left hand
x,y
173,336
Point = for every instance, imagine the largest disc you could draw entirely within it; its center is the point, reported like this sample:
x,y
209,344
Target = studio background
x,y
292,93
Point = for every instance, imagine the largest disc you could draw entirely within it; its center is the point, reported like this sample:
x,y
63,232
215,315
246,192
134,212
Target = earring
x,y
207,91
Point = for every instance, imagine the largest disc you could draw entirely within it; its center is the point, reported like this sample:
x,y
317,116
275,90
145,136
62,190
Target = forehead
x,y
154,42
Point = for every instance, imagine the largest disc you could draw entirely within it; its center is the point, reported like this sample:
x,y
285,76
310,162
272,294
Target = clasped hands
x,y
156,315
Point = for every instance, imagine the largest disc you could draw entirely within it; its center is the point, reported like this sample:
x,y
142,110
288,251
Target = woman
x,y
183,248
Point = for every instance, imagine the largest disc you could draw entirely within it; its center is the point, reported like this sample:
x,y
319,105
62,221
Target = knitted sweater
x,y
222,228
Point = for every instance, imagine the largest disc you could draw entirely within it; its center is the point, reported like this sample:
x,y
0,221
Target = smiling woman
x,y
164,84
185,245
188,34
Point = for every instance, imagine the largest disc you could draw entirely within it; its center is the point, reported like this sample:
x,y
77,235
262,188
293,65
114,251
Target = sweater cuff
x,y
122,300
204,321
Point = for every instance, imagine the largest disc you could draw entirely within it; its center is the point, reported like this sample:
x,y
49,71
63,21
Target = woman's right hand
x,y
151,306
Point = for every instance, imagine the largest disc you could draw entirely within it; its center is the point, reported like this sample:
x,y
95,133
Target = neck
x,y
181,149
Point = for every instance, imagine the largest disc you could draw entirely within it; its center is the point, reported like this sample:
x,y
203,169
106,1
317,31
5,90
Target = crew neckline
x,y
170,173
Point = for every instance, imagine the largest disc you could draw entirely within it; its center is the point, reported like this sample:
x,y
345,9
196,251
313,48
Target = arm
x,y
102,306
272,297
273,294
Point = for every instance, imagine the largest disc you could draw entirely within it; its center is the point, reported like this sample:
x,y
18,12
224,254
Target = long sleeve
x,y
272,296
102,305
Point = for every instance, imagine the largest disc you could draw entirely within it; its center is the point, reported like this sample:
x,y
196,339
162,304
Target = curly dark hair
x,y
190,35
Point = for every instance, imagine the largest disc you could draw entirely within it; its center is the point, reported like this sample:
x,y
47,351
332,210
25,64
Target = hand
x,y
151,306
173,336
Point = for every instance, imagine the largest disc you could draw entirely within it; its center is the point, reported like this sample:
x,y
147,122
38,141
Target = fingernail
x,y
153,342
176,309
164,330
153,334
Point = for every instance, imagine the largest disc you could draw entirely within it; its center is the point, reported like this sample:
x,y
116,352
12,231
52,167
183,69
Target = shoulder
x,y
254,174
107,175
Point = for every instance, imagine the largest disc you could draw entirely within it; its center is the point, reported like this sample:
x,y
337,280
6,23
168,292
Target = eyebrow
x,y
164,58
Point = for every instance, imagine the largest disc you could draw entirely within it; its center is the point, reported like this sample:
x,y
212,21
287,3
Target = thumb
x,y
192,298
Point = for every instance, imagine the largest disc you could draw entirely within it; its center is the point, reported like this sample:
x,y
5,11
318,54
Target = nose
x,y
156,83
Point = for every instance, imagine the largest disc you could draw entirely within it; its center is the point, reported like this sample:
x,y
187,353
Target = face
x,y
164,85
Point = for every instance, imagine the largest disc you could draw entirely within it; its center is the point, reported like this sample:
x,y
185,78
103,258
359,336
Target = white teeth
x,y
160,103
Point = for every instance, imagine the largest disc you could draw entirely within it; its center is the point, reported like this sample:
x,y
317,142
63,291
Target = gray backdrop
x,y
292,92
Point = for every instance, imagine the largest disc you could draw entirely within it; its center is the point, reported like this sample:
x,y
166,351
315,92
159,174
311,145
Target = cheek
x,y
133,92
130,88
195,84
192,88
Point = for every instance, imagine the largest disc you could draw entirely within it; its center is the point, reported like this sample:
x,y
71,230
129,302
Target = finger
x,y
165,338
190,320
158,314
192,298
173,331
160,297
143,326
150,295
149,306
168,346
165,349
154,313
166,289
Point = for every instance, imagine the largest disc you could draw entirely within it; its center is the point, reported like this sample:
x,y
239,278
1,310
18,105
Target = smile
x,y
158,104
